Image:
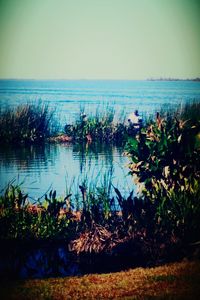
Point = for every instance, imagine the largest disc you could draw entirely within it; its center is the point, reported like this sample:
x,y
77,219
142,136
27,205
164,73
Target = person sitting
x,y
83,117
135,120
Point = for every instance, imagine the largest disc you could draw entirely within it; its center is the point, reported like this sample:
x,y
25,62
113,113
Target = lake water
x,y
59,167
41,168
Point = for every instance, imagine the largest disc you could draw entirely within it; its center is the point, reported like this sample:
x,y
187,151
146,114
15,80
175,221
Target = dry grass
x,y
96,240
173,281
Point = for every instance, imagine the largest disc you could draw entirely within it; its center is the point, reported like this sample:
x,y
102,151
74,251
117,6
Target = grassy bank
x,y
173,281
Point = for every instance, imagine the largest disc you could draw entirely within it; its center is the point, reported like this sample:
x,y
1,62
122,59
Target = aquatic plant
x,y
165,163
101,126
96,228
20,219
28,123
190,112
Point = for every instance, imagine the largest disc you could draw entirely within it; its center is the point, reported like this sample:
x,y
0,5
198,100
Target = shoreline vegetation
x,y
100,127
27,124
37,123
158,225
164,163
34,124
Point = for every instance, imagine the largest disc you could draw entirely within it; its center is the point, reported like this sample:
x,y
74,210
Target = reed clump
x,y
101,127
30,123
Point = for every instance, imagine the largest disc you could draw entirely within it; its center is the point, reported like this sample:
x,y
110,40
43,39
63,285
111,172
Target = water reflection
x,y
41,167
28,260
25,157
95,153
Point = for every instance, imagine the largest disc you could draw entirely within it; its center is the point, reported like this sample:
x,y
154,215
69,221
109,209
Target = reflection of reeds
x,y
26,156
27,123
95,152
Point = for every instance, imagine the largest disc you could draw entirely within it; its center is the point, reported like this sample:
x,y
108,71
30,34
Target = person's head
x,y
83,116
136,112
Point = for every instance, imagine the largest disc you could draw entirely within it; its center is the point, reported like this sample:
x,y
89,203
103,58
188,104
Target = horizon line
x,y
197,78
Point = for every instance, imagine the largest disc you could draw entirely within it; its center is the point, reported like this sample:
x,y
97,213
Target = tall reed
x,y
26,123
101,126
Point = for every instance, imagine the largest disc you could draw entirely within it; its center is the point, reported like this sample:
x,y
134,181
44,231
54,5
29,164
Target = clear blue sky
x,y
99,39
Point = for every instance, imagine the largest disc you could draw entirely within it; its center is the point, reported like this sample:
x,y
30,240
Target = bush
x,y
165,162
21,220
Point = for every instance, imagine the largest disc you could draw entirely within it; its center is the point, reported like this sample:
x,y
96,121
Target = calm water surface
x,y
54,166
59,167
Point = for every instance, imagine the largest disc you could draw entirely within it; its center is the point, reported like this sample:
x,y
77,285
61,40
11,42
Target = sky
x,y
99,39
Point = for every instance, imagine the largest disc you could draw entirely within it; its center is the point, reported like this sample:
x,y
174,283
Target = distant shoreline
x,y
173,79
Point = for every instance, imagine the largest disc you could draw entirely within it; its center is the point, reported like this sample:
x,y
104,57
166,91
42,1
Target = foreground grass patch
x,y
173,281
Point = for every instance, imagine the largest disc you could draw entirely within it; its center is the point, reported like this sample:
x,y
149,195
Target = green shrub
x,y
19,219
165,162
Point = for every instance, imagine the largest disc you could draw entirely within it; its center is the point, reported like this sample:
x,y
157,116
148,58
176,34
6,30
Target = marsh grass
x,y
102,126
93,230
92,197
53,216
30,123
190,111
